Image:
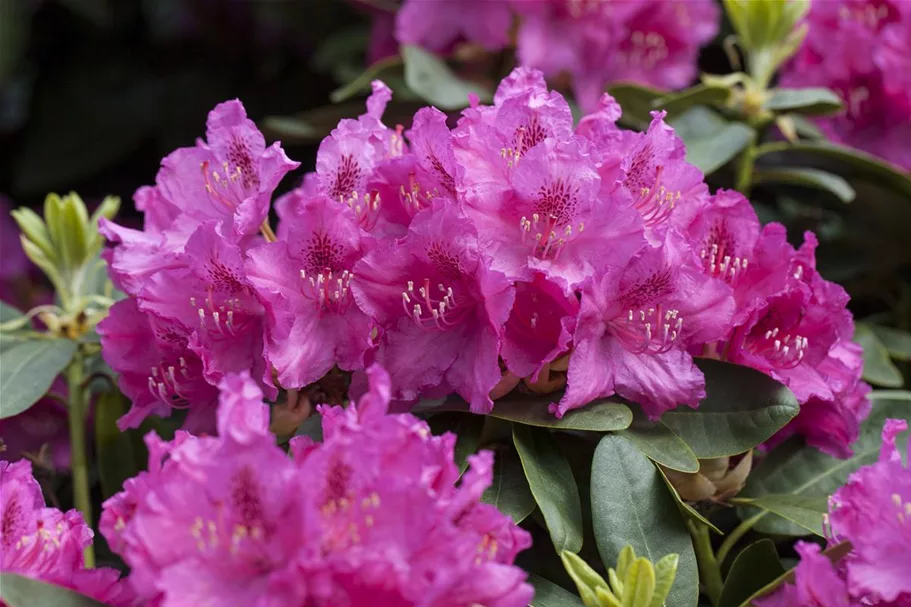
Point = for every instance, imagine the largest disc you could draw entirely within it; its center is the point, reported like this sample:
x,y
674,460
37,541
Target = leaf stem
x,y
734,536
709,566
267,232
744,181
78,452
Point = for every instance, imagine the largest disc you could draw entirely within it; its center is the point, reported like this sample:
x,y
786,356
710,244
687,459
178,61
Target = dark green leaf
x,y
552,484
631,505
312,427
809,101
376,71
804,510
602,415
313,125
548,594
878,367
897,342
865,165
686,508
661,445
28,369
636,102
834,554
18,591
430,77
742,409
798,469
116,458
811,178
711,141
467,428
509,492
754,567
701,94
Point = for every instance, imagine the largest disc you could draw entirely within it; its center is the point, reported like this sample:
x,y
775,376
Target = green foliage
x,y
635,582
19,591
28,369
510,492
756,565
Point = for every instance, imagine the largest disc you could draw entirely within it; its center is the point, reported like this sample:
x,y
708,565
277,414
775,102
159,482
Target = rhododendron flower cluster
x,y
872,512
652,42
46,544
465,259
862,50
372,515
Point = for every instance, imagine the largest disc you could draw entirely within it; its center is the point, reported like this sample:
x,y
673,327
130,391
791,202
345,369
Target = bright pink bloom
x,y
47,544
304,279
438,26
216,304
873,512
635,325
817,583
440,305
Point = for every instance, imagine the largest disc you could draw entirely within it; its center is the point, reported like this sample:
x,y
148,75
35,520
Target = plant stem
x,y
734,536
709,569
78,453
744,181
267,232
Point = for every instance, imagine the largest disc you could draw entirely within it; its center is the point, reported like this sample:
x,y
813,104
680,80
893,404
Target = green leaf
x,y
687,509
376,71
639,584
809,101
742,409
602,415
896,341
811,178
660,445
636,102
587,580
467,429
552,484
878,367
117,461
665,573
798,469
19,591
8,312
804,510
548,594
28,369
312,427
430,77
631,505
833,553
509,492
701,94
711,141
754,567
864,165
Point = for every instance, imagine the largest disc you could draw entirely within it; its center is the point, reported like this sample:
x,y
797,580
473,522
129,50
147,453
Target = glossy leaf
x,y
548,594
865,165
509,492
701,94
115,455
811,178
603,415
19,591
711,141
551,481
742,409
659,444
631,505
28,369
809,101
896,342
433,80
686,508
797,469
755,566
804,510
878,367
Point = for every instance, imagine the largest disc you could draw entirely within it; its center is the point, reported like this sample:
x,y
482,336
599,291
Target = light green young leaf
x,y
586,579
638,584
665,572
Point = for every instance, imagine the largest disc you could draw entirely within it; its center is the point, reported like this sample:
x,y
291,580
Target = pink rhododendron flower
x,y
817,583
359,518
47,544
634,327
304,279
440,305
44,423
157,369
437,26
861,49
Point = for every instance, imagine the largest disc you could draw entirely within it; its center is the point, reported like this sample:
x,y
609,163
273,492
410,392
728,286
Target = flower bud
x,y
718,479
